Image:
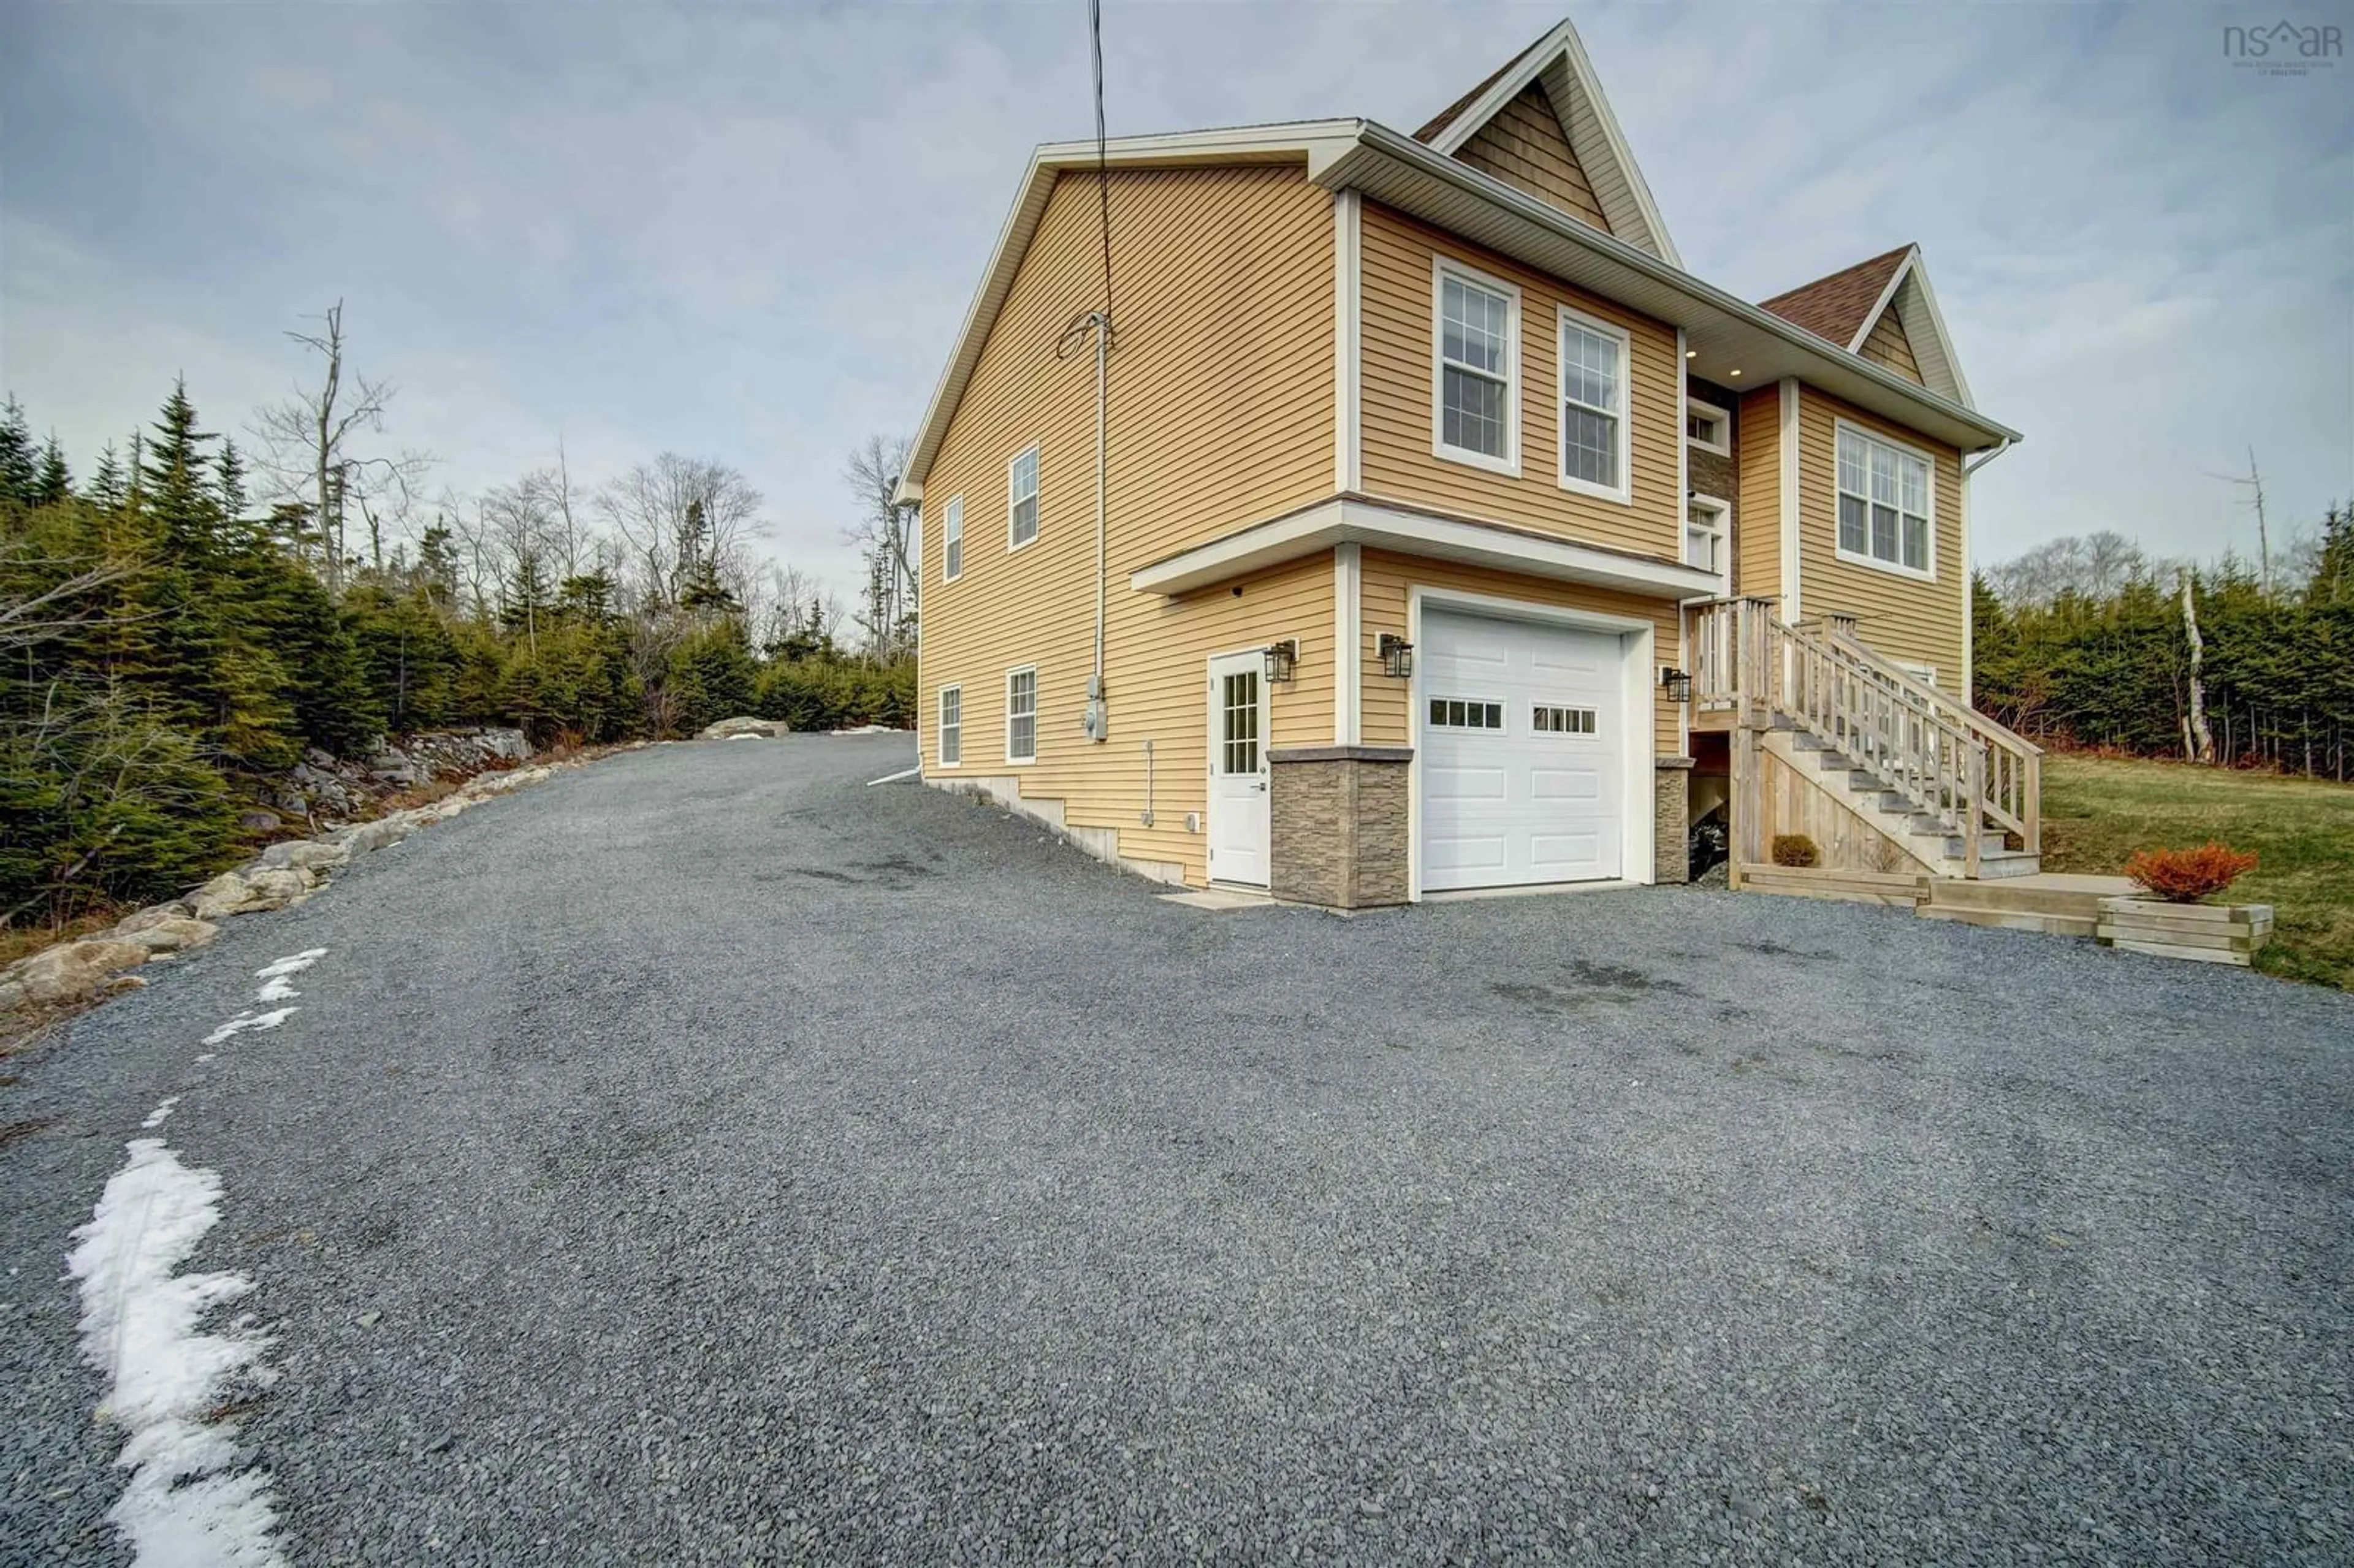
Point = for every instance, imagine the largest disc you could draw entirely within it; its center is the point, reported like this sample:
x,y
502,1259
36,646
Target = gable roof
x,y
1841,306
1557,65
1845,306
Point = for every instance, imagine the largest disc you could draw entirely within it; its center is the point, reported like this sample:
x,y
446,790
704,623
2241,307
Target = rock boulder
x,y
745,725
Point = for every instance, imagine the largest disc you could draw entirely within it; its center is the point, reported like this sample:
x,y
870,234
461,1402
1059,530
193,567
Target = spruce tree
x,y
228,470
20,460
56,482
180,485
108,489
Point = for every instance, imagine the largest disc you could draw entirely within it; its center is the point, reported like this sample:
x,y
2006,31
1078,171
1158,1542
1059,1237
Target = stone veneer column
x,y
1338,825
1672,820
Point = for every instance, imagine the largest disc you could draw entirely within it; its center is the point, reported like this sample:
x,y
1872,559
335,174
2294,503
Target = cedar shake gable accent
x,y
1448,115
1835,308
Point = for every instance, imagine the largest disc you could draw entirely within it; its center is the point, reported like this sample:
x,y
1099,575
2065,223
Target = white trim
x,y
1347,460
1702,406
1941,370
1011,760
1563,46
1969,589
1038,495
1361,154
1637,854
1789,498
1348,643
1251,658
1315,529
940,724
1684,488
951,533
1724,509
1442,266
1623,492
1865,558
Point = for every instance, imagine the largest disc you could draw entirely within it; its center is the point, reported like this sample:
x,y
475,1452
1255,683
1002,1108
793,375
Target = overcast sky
x,y
749,232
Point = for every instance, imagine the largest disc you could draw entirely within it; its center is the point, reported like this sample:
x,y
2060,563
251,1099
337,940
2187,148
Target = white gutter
x,y
1970,468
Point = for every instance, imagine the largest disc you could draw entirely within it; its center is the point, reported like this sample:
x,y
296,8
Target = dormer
x,y
1541,123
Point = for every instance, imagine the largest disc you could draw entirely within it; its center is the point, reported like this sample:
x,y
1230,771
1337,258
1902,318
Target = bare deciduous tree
x,y
310,451
678,514
884,534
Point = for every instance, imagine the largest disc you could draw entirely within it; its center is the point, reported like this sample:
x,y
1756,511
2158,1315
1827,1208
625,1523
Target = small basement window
x,y
1465,712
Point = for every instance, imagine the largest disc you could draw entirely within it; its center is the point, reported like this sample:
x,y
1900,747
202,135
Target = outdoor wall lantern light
x,y
1397,656
1676,683
1282,660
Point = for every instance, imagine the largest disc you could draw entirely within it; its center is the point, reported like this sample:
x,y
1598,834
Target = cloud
x,y
751,233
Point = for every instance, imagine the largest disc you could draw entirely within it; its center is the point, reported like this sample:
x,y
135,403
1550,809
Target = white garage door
x,y
1523,752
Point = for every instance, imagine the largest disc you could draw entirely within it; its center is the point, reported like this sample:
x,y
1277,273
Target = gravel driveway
x,y
705,1159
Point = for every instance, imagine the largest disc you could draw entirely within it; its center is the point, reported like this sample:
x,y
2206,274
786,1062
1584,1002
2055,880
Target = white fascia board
x,y
1923,319
1564,44
1344,521
1704,303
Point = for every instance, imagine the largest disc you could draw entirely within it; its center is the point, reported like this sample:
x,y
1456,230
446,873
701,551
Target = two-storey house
x,y
1421,525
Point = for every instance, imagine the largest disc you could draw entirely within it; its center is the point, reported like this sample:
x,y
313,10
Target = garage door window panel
x,y
1465,712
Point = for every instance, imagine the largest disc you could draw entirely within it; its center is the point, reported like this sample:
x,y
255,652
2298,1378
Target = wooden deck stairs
x,y
1892,779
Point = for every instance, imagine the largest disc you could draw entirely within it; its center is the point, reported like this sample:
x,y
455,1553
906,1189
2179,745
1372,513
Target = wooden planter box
x,y
2203,933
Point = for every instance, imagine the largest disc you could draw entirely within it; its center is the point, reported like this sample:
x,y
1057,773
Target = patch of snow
x,y
278,987
869,730
245,1021
895,778
748,735
156,1118
204,1056
289,966
185,1505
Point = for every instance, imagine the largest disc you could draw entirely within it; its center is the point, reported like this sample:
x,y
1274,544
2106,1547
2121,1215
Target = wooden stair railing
x,y
1967,774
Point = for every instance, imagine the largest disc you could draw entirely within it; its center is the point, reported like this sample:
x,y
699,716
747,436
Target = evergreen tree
x,y
180,485
20,460
108,487
228,471
55,481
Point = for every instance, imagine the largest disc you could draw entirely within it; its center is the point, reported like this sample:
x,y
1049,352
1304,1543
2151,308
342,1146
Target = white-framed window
x,y
951,725
1021,497
1708,427
952,539
1475,396
1022,714
1546,718
1887,504
1707,544
1594,357
1465,712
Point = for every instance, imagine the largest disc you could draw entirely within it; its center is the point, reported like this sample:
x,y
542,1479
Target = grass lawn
x,y
2097,812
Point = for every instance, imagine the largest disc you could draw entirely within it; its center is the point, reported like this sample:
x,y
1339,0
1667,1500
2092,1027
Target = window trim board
x,y
1441,266
1623,494
1011,759
1841,426
941,725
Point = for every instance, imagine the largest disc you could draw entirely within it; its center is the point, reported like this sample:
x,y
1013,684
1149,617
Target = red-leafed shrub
x,y
2186,876
1795,849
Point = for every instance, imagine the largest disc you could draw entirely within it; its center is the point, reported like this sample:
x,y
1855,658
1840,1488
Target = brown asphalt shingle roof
x,y
1447,116
1834,307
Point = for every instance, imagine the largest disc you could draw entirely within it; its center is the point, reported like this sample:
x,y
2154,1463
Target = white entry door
x,y
1238,814
1523,729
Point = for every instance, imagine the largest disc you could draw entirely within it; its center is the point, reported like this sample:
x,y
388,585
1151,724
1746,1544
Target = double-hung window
x,y
951,725
1887,517
1594,356
1021,498
1021,714
1708,428
952,539
1476,397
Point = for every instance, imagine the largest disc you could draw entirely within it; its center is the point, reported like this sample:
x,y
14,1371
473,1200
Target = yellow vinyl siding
x,y
1386,580
1889,348
1221,415
1524,145
1397,357
1757,561
1904,618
